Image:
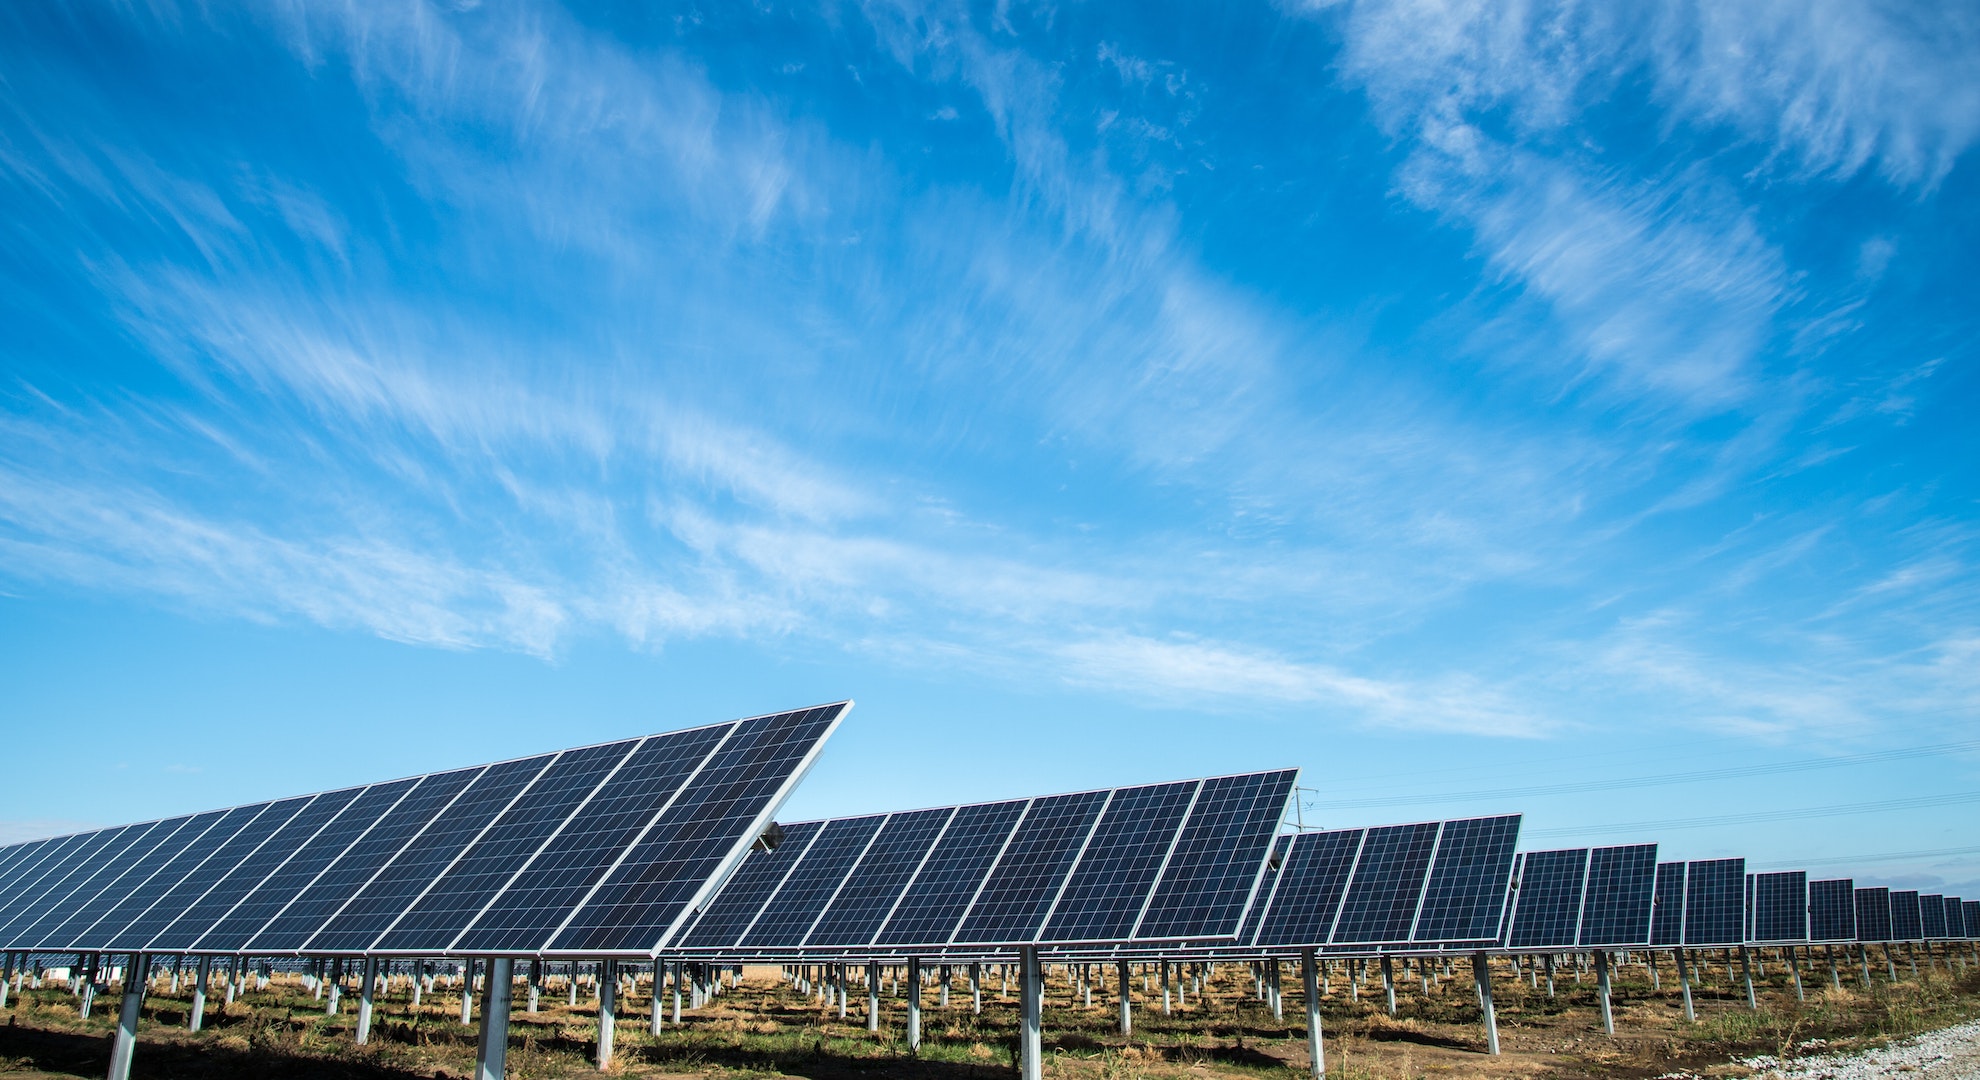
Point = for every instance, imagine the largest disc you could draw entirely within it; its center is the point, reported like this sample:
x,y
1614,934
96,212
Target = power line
x,y
1698,776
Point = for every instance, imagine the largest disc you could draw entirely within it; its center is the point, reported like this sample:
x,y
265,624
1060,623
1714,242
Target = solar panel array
x,y
1431,883
1593,898
1161,862
593,851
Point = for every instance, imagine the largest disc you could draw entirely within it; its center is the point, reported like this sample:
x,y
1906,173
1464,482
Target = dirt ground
x,y
765,1029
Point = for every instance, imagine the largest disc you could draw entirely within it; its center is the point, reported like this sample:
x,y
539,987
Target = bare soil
x,y
765,1029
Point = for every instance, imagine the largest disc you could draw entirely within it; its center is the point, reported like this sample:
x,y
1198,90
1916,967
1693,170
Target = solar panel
x,y
1667,910
636,829
1873,914
1213,873
1387,884
531,908
1307,890
145,927
1932,915
1907,923
1971,910
1621,893
706,827
1547,911
811,884
1780,907
941,890
453,898
1103,899
1955,918
1832,910
722,922
1019,892
1137,863
1715,902
855,915
1465,896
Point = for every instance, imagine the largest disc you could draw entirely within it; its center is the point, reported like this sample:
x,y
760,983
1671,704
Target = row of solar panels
x,y
598,850
1157,863
645,845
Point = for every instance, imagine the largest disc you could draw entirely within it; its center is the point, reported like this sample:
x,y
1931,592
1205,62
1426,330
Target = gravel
x,y
1949,1054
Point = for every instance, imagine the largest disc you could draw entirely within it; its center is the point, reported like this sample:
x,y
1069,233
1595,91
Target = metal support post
x,y
677,993
365,1000
976,987
535,982
1164,965
124,1046
467,994
491,1052
1602,991
1481,972
1550,976
914,1004
1316,1053
608,989
196,1016
1389,981
1127,1000
658,1006
1684,980
1746,965
942,971
336,987
839,976
1277,991
1835,976
873,995
1794,969
1031,995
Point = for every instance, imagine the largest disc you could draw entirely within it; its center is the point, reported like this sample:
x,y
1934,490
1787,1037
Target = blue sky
x,y
1459,401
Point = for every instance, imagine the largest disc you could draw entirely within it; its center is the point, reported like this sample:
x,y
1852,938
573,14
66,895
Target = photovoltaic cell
x,y
1547,911
730,912
639,905
948,881
1932,915
530,909
1780,907
456,896
1310,883
876,883
1832,910
1388,881
1107,890
1715,902
1873,914
1218,858
1621,895
1466,893
812,883
1026,879
1906,922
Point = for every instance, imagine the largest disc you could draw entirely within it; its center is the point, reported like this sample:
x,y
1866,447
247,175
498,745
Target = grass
x,y
764,1029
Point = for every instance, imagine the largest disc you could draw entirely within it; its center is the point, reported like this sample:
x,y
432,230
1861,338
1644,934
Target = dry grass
x,y
765,1030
